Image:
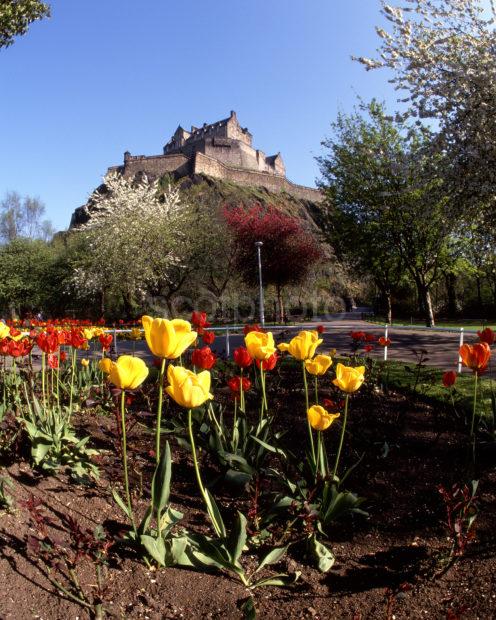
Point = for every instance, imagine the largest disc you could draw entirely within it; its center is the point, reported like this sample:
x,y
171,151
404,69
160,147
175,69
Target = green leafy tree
x,y
16,17
387,198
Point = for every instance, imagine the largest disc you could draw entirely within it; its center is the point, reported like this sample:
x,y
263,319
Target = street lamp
x,y
259,245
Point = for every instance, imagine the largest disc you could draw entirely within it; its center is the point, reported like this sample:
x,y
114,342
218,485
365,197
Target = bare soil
x,y
387,563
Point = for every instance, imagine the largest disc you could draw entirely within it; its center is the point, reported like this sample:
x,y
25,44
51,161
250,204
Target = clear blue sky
x,y
104,76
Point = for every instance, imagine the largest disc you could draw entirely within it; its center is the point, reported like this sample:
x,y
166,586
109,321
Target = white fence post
x,y
115,342
386,337
228,352
459,356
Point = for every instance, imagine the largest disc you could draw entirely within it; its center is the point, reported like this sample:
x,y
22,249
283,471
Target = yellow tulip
x,y
260,345
188,389
89,333
168,339
302,346
135,333
349,379
98,331
105,364
320,419
319,365
4,330
128,372
85,362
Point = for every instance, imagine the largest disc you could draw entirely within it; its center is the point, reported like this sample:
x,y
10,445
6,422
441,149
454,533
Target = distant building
x,y
222,150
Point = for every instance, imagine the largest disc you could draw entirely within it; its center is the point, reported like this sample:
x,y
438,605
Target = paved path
x,y
441,347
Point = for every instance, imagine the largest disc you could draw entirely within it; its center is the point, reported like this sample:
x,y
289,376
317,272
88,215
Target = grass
x,y
472,324
426,383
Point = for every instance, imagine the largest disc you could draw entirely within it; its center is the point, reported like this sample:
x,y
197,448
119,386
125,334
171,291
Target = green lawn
x,y
402,376
468,324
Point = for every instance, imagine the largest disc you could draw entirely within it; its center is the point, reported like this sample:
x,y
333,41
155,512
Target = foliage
x,y
22,217
281,236
390,198
17,15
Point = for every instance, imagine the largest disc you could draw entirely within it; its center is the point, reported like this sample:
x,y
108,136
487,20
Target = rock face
x,y
220,151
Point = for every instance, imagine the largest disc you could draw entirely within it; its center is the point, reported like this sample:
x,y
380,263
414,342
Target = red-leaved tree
x,y
289,251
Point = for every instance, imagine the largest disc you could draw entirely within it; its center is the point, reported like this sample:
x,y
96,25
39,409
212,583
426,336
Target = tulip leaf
x,y
248,608
155,547
236,540
214,513
277,580
322,554
268,446
161,481
120,502
272,557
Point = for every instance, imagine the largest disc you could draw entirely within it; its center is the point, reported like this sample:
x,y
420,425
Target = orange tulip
x,y
476,357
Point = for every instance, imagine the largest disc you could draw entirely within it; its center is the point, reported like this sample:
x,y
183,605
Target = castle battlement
x,y
223,150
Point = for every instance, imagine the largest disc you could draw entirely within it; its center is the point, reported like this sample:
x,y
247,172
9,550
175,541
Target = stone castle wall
x,y
203,164
154,166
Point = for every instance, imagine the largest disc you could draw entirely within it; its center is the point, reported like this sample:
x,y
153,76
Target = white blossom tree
x,y
132,235
443,57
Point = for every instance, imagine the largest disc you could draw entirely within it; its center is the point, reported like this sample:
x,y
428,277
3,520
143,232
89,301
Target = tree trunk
x,y
280,304
479,292
450,279
425,302
389,309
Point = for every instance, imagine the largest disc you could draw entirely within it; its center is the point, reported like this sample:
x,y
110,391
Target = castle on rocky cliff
x,y
222,150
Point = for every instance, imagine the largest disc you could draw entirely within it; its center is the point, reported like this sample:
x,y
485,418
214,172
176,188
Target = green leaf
x,y
155,547
280,579
236,540
214,513
120,502
40,449
248,608
268,446
272,557
161,481
324,556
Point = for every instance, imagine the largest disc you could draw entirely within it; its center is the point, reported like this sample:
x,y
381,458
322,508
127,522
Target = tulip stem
x,y
310,433
241,393
316,383
73,372
124,457
159,411
206,499
264,406
43,378
474,409
341,438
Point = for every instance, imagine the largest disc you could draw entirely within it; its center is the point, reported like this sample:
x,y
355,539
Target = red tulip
x,y
487,335
235,383
476,357
252,328
76,339
384,342
320,329
208,337
358,335
53,361
47,342
270,363
199,319
369,338
105,341
203,358
449,378
63,356
242,358
368,348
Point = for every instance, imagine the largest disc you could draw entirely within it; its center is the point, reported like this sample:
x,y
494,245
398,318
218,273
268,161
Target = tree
x,y
22,217
390,198
131,235
23,267
443,57
16,17
288,253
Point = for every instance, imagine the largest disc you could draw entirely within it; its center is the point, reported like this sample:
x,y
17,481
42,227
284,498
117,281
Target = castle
x,y
222,150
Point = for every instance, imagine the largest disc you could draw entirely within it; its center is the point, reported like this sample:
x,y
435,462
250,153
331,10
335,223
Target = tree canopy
x,y
17,15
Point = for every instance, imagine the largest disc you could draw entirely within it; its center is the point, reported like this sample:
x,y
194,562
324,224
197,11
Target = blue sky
x,y
104,76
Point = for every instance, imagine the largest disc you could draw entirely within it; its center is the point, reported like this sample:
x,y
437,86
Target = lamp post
x,y
259,245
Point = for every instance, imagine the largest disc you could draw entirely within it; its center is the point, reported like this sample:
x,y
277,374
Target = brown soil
x,y
387,563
